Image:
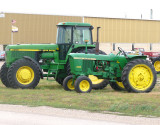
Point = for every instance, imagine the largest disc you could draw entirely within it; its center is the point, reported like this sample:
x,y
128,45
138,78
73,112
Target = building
x,y
34,28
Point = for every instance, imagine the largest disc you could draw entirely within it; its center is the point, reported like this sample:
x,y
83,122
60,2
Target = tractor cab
x,y
70,33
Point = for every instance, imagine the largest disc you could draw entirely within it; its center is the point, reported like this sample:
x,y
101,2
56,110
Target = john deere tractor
x,y
27,63
133,72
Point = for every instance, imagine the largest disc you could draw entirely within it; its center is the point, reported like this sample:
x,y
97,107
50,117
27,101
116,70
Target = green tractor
x,y
132,72
27,63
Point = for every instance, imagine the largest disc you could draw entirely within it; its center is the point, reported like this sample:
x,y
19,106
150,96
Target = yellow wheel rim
x,y
84,85
69,84
157,66
120,84
95,79
141,77
25,75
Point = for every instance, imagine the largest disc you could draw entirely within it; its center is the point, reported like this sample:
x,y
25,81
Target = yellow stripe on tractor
x,y
31,50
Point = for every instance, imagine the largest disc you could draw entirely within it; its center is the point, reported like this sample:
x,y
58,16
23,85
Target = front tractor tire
x,y
139,76
83,84
67,83
156,64
3,75
23,74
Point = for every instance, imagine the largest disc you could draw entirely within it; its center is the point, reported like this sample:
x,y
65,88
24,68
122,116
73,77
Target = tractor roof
x,y
73,24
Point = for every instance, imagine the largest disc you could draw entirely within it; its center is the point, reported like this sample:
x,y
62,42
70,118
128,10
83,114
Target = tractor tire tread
x,y
154,60
3,75
116,87
127,69
78,80
65,81
14,65
100,85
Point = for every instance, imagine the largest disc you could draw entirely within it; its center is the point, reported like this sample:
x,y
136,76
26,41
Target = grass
x,y
49,93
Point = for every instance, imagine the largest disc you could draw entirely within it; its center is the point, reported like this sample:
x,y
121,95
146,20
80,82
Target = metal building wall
x,y
32,28
42,29
126,30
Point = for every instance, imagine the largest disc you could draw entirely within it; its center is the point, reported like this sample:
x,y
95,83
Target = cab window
x,y
80,34
64,35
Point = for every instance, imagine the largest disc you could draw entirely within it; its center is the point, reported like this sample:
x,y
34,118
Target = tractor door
x,y
64,41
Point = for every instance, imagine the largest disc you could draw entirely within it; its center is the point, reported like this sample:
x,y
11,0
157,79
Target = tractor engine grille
x,y
87,64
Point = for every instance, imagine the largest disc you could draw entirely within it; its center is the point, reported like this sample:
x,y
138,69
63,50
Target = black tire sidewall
x,y
3,75
65,81
116,87
77,83
154,60
14,68
101,85
125,76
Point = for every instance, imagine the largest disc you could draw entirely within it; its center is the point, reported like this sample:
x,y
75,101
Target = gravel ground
x,y
16,118
78,114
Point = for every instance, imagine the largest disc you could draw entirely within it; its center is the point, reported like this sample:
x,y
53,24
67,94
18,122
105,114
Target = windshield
x,y
64,35
80,34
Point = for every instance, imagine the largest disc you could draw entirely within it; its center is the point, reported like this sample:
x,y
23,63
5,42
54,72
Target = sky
x,y
132,9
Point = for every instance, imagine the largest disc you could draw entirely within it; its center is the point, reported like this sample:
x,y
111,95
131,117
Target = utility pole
x,y
151,14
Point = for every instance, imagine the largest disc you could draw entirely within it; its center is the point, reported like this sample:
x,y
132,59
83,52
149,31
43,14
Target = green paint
x,y
51,57
103,66
33,46
73,24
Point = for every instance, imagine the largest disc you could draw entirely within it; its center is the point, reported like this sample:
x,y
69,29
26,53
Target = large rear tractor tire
x,y
59,80
60,77
67,83
139,76
96,83
83,84
117,86
3,75
24,74
156,64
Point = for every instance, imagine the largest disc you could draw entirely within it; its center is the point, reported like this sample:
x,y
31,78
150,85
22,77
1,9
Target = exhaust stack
x,y
97,43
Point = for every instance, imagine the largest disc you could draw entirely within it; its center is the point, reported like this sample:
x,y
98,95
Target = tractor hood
x,y
109,57
83,56
32,47
121,59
